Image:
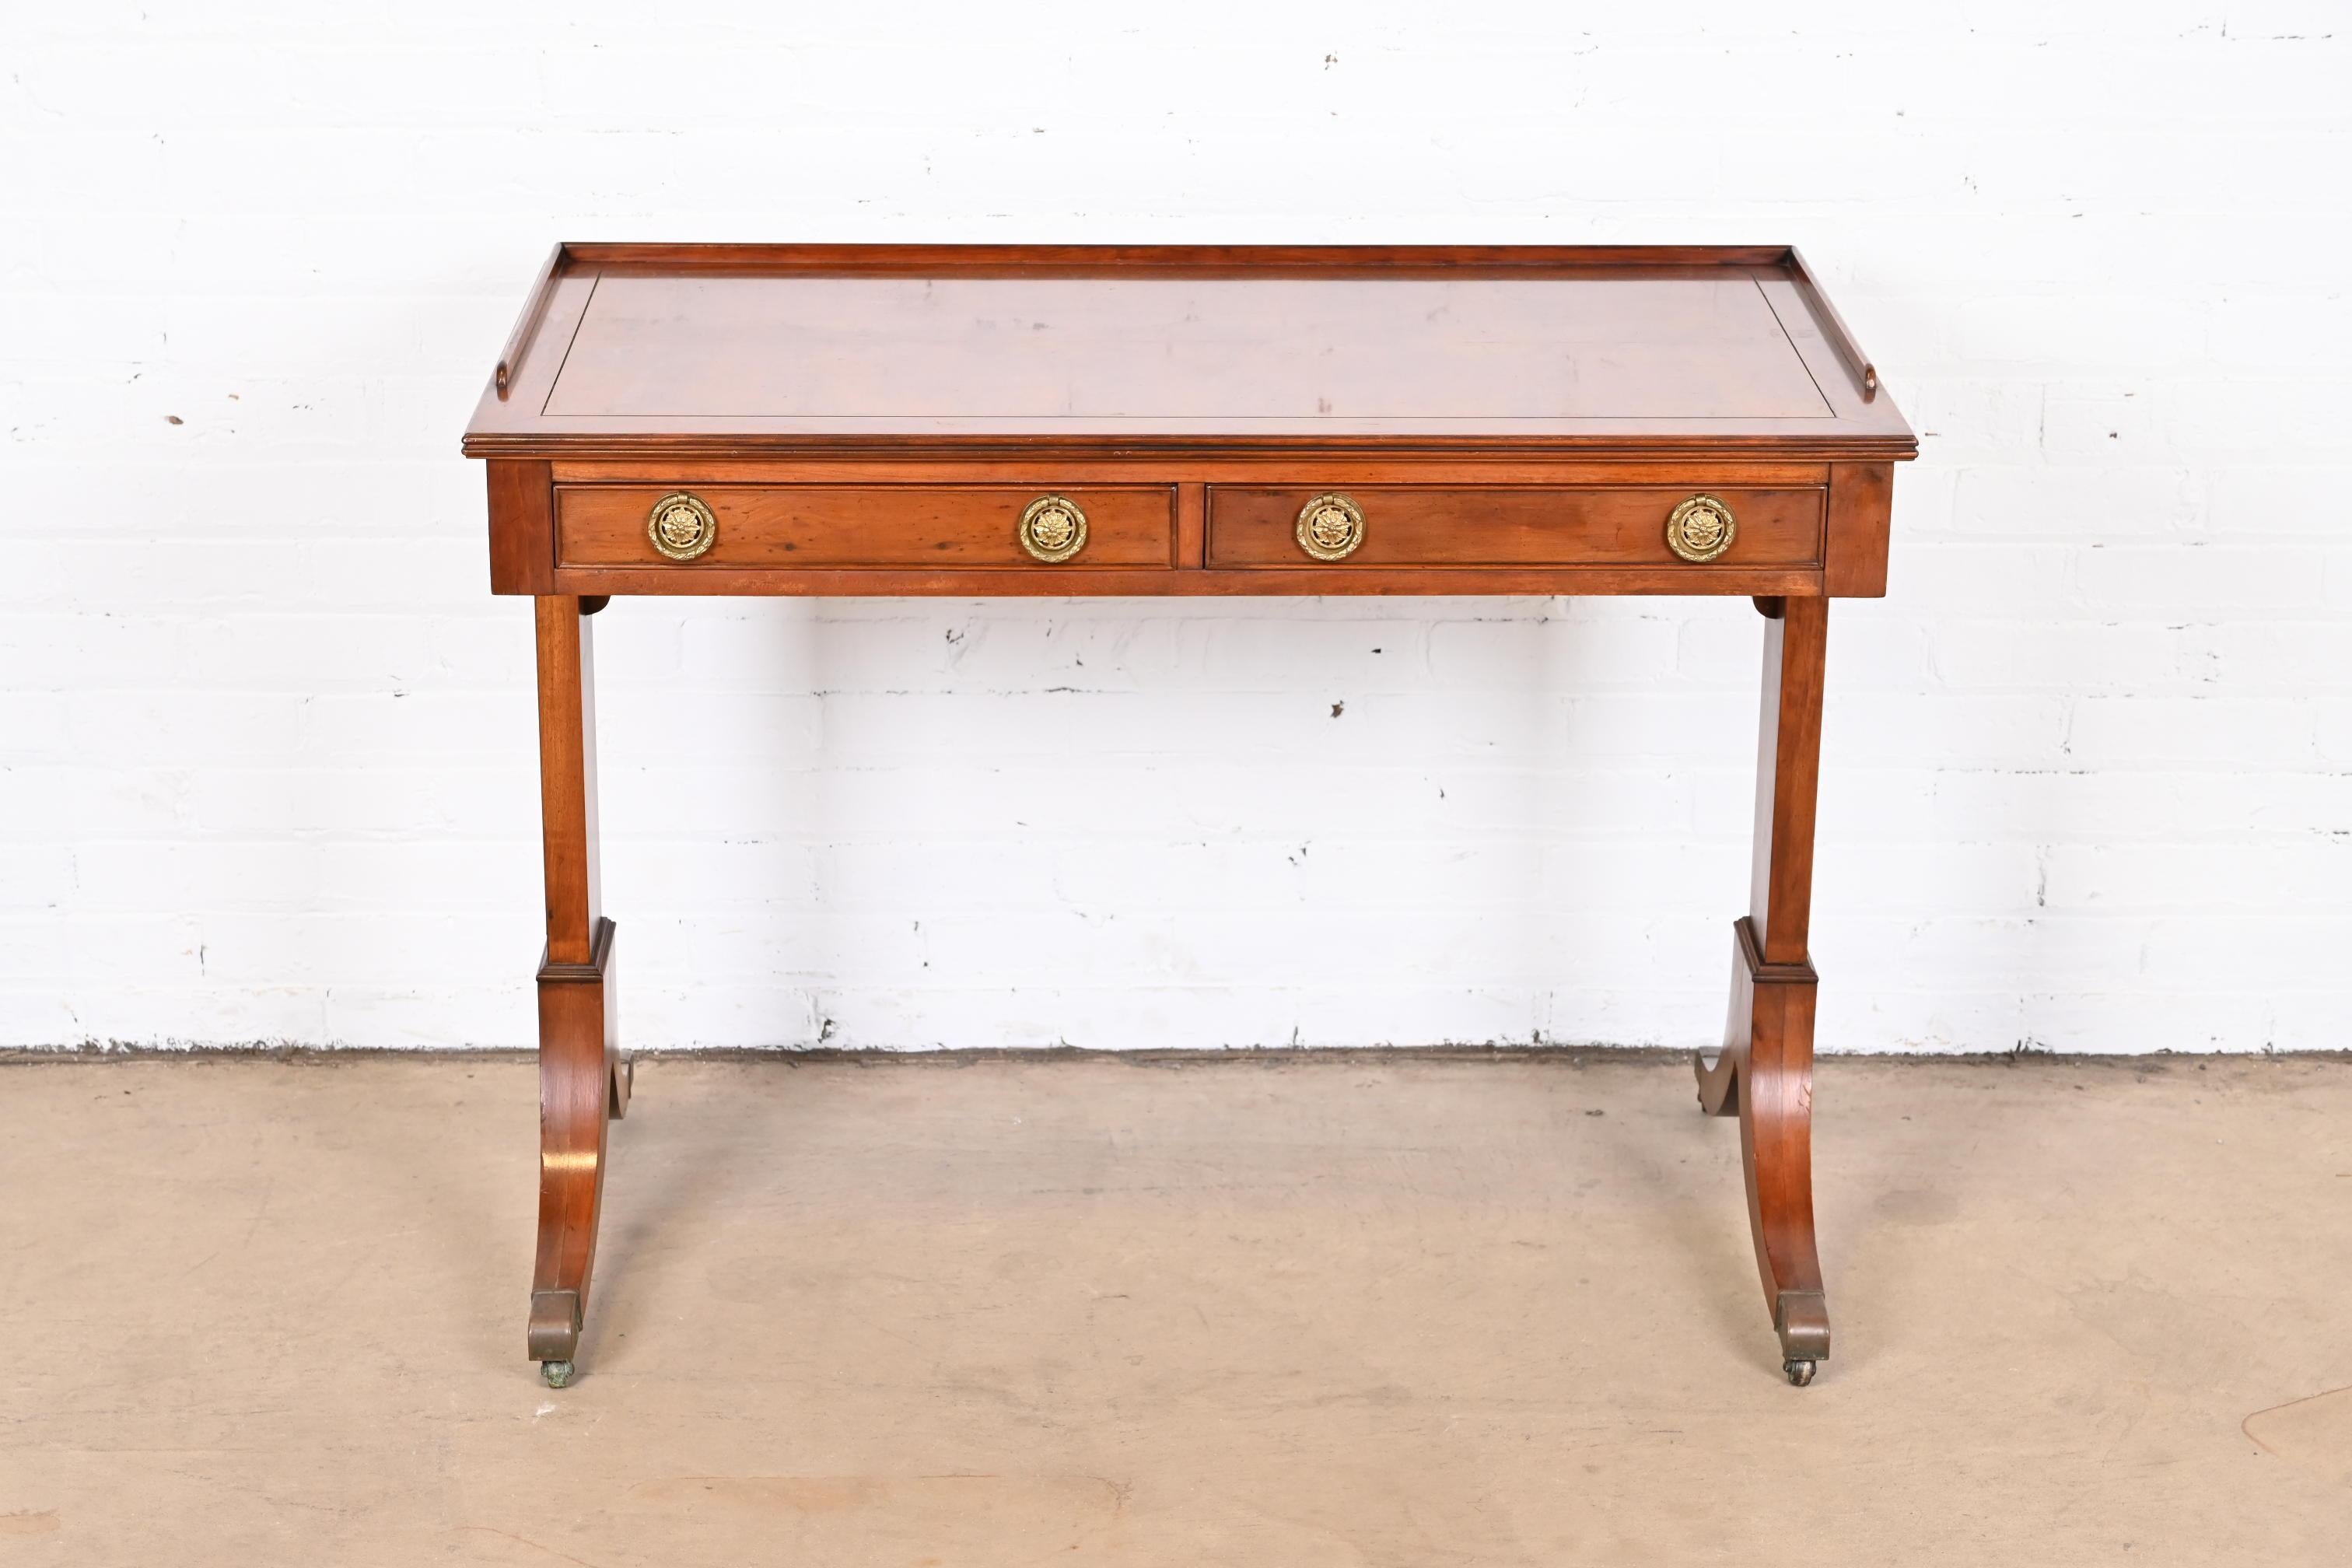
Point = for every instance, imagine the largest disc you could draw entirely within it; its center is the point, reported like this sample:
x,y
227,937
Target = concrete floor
x,y
1280,1313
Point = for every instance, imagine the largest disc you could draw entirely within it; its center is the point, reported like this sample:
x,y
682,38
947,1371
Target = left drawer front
x,y
825,527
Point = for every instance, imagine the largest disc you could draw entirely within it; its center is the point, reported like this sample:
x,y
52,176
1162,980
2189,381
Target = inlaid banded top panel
x,y
1666,343
634,345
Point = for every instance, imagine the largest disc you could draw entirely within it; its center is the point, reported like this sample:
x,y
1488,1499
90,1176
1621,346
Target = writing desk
x,y
1164,420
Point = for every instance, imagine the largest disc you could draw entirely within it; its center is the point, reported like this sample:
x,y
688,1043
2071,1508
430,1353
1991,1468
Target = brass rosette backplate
x,y
681,526
1700,530
1052,529
1330,527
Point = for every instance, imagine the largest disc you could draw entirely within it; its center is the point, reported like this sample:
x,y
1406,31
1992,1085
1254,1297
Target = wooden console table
x,y
976,421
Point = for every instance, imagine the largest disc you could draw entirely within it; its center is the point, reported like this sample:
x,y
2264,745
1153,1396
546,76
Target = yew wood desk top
x,y
982,420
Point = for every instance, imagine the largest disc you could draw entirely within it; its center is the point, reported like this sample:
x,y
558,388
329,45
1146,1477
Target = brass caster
x,y
1800,1373
558,1372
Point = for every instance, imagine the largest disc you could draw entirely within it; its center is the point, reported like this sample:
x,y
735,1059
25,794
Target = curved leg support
x,y
1775,1147
1718,1082
1765,1078
625,1081
582,1081
1765,1074
579,1069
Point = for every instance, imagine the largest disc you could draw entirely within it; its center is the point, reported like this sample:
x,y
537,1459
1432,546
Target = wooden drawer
x,y
1251,526
814,527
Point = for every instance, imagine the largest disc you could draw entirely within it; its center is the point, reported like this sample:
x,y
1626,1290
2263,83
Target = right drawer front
x,y
1514,526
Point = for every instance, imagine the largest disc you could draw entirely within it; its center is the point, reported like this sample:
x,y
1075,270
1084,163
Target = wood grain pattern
x,y
525,327
921,260
567,776
1833,325
816,350
1306,579
578,1075
1192,526
1768,558
1861,504
1514,527
522,526
1231,467
1787,767
814,527
871,420
969,351
578,1039
1764,1075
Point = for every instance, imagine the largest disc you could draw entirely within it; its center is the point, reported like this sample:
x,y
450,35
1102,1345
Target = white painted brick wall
x,y
265,766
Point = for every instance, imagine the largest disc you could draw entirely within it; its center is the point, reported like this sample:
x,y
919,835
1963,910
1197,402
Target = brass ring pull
x,y
681,526
1330,527
1054,528
1700,530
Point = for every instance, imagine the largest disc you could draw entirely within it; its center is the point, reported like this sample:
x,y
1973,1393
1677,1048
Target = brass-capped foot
x,y
554,1332
1802,1320
557,1372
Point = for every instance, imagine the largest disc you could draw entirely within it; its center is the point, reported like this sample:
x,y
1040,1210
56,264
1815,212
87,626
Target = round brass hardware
x,y
1052,529
1700,528
681,526
1330,527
